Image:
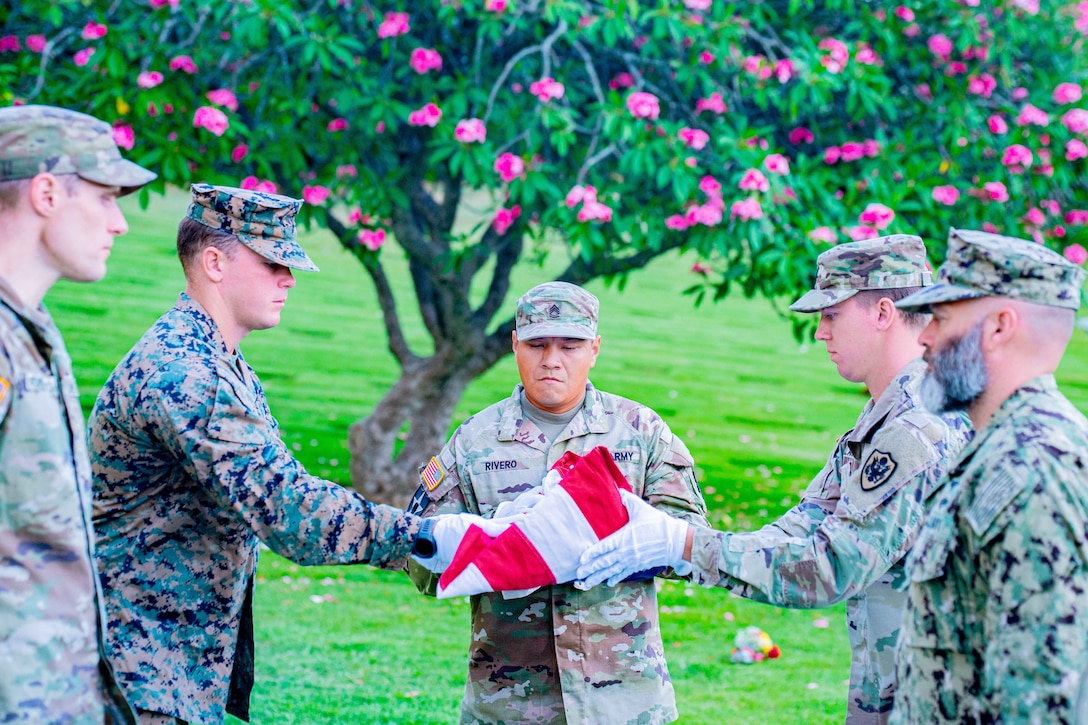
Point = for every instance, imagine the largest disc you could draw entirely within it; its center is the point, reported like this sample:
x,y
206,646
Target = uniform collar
x,y
901,391
514,425
202,322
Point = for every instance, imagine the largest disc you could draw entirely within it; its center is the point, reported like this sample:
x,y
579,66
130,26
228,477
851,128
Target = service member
x,y
60,177
995,628
848,536
560,655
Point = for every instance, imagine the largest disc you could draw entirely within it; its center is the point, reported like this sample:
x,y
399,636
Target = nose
x,y
550,358
928,334
118,225
823,330
287,277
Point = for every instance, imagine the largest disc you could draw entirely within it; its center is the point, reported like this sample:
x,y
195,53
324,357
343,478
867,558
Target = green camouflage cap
x,y
47,139
557,309
891,262
980,264
263,222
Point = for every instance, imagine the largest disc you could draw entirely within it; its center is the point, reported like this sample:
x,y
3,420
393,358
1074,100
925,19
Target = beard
x,y
957,374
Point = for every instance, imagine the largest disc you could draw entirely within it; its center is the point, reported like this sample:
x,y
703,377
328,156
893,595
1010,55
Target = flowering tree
x,y
609,132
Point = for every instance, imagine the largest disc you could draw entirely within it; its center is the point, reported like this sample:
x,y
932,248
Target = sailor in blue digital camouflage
x,y
996,625
557,654
190,473
60,176
847,538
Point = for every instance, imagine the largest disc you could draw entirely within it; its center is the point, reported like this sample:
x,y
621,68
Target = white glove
x,y
650,539
525,501
449,530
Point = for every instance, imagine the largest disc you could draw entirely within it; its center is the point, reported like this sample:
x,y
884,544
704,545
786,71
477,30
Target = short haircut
x,y
869,297
11,190
194,238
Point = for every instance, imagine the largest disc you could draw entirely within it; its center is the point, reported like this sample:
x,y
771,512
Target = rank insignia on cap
x,y
553,311
878,468
433,474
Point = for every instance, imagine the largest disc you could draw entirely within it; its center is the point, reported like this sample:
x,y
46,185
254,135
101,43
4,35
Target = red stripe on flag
x,y
592,483
512,561
473,542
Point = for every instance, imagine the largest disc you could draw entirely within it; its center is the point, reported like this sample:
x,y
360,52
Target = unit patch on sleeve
x,y
433,474
878,468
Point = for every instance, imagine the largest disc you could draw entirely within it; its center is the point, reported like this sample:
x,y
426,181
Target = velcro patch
x,y
993,496
433,474
878,468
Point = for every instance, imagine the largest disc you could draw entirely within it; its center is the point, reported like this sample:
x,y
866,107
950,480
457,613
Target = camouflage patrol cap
x,y
980,264
48,139
263,222
557,309
891,262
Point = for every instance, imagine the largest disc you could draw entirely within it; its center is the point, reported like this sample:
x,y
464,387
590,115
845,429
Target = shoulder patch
x,y
432,474
993,496
878,468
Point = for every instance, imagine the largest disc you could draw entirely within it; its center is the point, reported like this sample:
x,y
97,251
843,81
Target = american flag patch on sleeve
x,y
433,474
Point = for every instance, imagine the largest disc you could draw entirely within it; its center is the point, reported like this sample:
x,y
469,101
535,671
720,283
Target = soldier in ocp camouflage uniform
x,y
190,473
996,626
847,538
60,176
560,655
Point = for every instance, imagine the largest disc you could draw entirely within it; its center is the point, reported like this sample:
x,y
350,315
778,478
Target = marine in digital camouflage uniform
x,y
190,473
560,655
60,176
996,626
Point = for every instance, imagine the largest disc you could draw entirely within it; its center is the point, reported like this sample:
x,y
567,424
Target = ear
x,y
212,262
885,313
595,348
44,192
1000,327
514,341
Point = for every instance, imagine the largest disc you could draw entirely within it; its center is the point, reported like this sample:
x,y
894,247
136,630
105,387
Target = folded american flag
x,y
543,547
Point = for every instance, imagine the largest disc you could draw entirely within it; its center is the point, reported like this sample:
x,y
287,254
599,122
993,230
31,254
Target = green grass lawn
x,y
759,411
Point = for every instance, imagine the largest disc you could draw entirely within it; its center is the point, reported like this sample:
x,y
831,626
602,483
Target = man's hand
x,y
525,501
448,530
650,539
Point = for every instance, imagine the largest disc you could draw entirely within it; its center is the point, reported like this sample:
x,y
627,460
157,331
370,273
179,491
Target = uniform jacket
x,y
561,655
847,538
51,640
996,627
189,474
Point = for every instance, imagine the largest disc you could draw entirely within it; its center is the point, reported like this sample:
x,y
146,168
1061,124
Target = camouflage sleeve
x,y
811,558
439,493
226,441
670,480
1034,633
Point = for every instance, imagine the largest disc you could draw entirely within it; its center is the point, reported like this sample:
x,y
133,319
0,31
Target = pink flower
x,y
504,218
1051,206
852,151
337,124
621,80
315,195
546,89
709,214
123,135
594,211
710,186
266,186
947,195
83,57
372,238
425,59
861,232
212,119
393,24
149,79
905,14
643,105
870,147
783,70
823,234
676,221
346,171
694,138
867,56
1063,93
955,68
996,191
832,154
1031,7
777,164
877,215
1075,253
239,152
997,125
1035,216
93,31
1017,155
746,209
758,66
697,4
250,182
754,180
982,85
156,4
429,115
579,193
225,98
509,166
183,63
940,46
9,43
470,130
1076,217
837,57
1076,120
714,103
495,6
1032,116
1075,149
801,135
379,127
1019,94
34,43
706,57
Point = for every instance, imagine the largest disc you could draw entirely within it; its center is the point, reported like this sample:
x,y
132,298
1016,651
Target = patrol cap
x,y
263,222
48,139
557,309
980,264
894,261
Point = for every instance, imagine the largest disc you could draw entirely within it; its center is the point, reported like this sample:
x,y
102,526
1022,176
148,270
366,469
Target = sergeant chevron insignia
x,y
878,468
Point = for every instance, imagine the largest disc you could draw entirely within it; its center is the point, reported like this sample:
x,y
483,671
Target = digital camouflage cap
x,y
891,262
980,264
48,139
557,309
263,222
